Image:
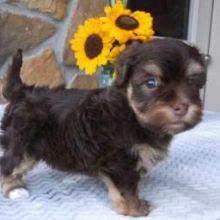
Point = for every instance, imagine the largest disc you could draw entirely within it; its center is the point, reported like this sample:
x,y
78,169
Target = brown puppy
x,y
113,133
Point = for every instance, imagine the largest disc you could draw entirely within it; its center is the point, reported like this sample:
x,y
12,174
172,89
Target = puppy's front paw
x,y
18,193
136,209
141,208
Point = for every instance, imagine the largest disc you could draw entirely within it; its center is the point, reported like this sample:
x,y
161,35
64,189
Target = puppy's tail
x,y
14,86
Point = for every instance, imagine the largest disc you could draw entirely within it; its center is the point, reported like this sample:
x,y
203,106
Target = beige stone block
x,y
83,82
19,31
2,98
42,70
55,8
84,9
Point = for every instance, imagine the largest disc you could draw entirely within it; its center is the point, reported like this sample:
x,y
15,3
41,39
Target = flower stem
x,y
125,2
112,2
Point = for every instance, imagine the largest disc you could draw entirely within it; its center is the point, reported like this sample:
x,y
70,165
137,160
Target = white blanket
x,y
184,187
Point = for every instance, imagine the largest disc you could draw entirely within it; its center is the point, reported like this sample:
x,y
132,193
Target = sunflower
x,y
91,45
115,51
125,25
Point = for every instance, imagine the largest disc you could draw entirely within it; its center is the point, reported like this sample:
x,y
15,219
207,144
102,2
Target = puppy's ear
x,y
124,63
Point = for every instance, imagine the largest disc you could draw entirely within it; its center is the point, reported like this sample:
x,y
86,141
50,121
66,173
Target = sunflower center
x,y
126,22
93,46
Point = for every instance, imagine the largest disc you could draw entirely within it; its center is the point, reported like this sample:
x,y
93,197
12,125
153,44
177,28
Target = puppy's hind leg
x,y
12,185
13,164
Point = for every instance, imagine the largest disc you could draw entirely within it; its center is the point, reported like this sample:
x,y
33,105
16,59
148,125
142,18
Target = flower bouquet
x,y
99,41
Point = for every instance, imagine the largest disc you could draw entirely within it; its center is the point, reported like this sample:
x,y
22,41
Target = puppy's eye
x,y
197,80
193,82
152,83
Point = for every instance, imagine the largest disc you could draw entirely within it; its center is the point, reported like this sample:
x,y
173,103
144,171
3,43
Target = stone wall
x,y
43,28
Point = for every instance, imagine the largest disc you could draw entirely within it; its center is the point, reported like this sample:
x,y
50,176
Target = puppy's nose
x,y
180,109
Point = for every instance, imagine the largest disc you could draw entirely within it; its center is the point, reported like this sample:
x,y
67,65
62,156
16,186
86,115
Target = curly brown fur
x,y
114,133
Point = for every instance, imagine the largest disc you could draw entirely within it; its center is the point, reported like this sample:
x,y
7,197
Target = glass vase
x,y
105,76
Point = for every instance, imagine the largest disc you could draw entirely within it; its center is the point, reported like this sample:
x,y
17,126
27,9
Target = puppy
x,y
113,133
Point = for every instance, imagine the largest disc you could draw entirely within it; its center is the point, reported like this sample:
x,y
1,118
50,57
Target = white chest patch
x,y
148,156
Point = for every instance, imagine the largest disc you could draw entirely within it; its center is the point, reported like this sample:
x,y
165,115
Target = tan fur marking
x,y
149,156
117,200
153,69
194,68
26,164
193,110
14,181
131,206
11,182
141,116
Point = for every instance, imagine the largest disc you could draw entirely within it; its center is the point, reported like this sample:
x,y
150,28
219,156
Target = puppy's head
x,y
162,79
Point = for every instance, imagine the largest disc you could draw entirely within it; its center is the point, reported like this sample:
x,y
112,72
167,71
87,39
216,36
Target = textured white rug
x,y
184,187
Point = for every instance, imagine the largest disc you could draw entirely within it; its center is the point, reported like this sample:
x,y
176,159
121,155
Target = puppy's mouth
x,y
175,128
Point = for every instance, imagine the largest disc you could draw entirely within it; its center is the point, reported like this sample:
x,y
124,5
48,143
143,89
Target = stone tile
x,y
83,82
84,9
55,8
18,31
2,83
42,70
